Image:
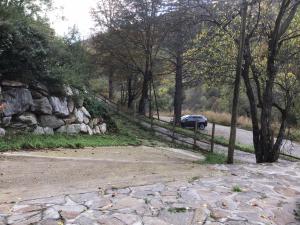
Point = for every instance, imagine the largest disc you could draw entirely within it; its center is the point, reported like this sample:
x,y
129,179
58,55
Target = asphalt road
x,y
245,137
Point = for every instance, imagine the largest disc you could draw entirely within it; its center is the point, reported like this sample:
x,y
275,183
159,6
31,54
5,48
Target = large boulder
x,y
79,115
51,121
36,94
28,118
17,125
39,89
17,101
86,120
6,121
48,131
42,106
90,131
71,105
2,132
85,129
11,83
70,129
70,119
39,131
94,122
97,130
103,128
85,112
60,106
43,131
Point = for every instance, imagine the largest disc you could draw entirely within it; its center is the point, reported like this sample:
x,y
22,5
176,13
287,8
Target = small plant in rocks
x,y
237,189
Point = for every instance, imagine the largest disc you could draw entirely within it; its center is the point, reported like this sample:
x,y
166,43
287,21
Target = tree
x,y
236,92
277,36
183,29
136,26
268,31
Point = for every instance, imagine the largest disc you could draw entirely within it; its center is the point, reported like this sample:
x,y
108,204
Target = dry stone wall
x,y
32,108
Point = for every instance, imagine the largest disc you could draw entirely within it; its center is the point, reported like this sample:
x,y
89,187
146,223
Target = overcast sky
x,y
75,12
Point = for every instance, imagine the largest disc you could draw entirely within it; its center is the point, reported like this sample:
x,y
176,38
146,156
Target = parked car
x,y
190,121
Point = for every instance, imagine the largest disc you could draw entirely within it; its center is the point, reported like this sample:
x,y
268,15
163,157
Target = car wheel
x,y
201,126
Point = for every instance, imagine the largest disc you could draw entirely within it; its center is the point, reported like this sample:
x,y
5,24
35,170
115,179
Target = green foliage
x,y
23,51
96,109
177,210
29,49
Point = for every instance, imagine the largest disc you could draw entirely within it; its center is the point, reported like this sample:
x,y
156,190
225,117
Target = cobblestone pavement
x,y
249,194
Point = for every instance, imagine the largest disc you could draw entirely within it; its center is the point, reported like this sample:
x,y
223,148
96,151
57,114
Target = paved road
x,y
245,137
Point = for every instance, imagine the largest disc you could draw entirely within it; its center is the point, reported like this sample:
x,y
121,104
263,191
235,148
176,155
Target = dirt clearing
x,y
28,175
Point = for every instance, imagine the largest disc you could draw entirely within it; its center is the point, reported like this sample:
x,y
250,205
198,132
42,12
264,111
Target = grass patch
x,y
213,158
127,134
29,141
237,189
194,179
242,147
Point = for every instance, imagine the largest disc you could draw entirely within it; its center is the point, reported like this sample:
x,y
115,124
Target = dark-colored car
x,y
190,121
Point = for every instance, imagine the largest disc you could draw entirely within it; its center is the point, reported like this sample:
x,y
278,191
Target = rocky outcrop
x,y
31,108
17,101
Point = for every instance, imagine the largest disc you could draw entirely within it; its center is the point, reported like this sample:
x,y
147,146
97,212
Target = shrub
x,y
96,109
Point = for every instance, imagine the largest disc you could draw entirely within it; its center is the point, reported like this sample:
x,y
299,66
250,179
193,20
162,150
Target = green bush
x,y
96,109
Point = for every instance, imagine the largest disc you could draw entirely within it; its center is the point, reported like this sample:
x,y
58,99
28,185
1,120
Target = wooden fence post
x,y
213,137
151,120
173,135
195,134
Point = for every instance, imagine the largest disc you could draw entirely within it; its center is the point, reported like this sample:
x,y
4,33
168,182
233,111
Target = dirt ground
x,y
28,175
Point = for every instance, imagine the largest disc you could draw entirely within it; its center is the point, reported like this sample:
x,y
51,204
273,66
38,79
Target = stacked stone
x,y
31,108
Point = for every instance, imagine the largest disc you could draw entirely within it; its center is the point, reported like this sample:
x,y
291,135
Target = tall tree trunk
x,y
129,92
237,83
110,84
145,95
252,101
178,88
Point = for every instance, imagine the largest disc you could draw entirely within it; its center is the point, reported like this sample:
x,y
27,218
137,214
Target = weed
x,y
147,201
177,210
237,189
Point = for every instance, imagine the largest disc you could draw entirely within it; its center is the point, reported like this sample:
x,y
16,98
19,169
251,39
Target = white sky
x,y
75,12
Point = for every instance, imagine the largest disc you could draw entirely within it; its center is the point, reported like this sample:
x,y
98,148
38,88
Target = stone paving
x,y
248,194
